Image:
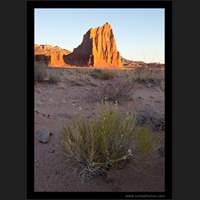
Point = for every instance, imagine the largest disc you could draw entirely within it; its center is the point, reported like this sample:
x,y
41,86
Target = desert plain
x,y
76,84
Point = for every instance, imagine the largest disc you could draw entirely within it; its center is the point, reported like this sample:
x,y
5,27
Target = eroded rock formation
x,y
98,48
52,56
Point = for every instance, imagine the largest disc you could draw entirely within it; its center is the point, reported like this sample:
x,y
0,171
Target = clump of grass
x,y
78,78
149,77
114,92
107,141
117,92
141,74
103,74
40,72
100,143
145,141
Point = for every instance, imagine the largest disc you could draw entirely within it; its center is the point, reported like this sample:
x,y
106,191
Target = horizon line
x,y
137,60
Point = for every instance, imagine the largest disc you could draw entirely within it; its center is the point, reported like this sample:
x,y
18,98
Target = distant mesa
x,y
98,49
52,56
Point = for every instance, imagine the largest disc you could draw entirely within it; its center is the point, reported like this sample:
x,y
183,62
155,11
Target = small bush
x,y
79,78
145,141
54,79
142,74
102,74
115,92
40,72
148,77
100,143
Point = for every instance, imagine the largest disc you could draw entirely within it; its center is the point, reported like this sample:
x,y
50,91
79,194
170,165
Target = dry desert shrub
x,y
105,141
54,75
149,77
146,141
103,74
40,72
54,79
100,143
114,91
78,78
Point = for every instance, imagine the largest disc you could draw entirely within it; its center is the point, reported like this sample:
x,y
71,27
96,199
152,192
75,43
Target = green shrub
x,y
103,74
102,142
40,72
145,140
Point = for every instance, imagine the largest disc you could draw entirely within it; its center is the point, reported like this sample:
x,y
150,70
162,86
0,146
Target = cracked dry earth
x,y
55,106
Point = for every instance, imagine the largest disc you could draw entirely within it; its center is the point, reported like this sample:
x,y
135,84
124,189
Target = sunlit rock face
x,y
98,48
50,55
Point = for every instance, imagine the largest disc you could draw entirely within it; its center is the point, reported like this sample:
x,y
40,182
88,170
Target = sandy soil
x,y
56,105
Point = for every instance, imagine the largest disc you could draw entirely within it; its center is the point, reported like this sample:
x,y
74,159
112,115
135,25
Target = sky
x,y
139,33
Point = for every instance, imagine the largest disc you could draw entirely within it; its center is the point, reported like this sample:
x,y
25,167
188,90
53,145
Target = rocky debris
x,y
43,114
50,55
149,85
89,173
43,136
98,48
155,121
52,150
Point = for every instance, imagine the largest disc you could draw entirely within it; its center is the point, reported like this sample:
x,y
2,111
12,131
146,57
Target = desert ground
x,y
79,92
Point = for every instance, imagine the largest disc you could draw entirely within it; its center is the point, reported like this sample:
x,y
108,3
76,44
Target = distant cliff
x,y
51,55
98,48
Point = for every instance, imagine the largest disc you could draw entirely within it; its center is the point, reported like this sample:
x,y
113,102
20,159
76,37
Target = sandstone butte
x,y
53,56
98,49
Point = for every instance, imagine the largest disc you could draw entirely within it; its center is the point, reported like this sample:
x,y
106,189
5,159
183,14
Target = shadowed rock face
x,y
50,55
98,48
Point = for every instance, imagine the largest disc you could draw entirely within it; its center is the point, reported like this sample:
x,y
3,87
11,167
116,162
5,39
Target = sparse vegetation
x,y
103,74
54,79
78,78
149,77
106,141
115,92
145,141
154,120
40,72
142,74
102,142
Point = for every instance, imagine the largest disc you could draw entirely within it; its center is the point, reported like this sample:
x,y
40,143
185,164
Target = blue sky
x,y
139,33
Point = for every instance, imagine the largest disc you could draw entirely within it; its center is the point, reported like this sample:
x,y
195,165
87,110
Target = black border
x,y
167,5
